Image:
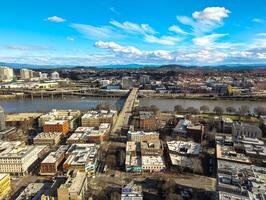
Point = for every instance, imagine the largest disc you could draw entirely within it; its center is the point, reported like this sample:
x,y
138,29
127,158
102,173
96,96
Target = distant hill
x,y
132,66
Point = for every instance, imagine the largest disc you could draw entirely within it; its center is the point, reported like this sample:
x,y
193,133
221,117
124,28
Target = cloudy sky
x,y
103,32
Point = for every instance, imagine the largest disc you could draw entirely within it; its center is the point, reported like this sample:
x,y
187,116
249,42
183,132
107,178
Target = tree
x,y
260,110
204,108
218,110
179,108
155,109
231,109
243,110
192,110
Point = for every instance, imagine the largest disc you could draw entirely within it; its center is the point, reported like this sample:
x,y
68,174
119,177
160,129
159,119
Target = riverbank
x,y
214,98
8,96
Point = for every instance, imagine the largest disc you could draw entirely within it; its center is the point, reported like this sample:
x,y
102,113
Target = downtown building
x,y
75,187
90,134
6,74
18,159
49,165
82,157
94,118
71,116
144,152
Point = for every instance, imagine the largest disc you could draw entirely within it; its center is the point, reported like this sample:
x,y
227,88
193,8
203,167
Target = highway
x,y
125,113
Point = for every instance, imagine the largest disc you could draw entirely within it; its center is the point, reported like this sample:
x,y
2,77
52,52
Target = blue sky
x,y
94,32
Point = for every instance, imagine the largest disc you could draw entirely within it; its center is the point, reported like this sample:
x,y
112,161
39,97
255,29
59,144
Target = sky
x,y
110,32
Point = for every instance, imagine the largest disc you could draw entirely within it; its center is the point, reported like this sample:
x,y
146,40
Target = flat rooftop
x,y
48,135
152,160
99,114
80,154
184,148
55,155
22,116
225,152
55,122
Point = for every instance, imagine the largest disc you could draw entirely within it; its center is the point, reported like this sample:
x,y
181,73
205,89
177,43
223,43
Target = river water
x,y
46,104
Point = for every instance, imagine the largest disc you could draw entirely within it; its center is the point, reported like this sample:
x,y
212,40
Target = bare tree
x,y
218,110
204,108
231,109
243,110
179,108
260,110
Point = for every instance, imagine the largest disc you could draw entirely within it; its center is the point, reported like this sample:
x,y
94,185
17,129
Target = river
x,y
46,104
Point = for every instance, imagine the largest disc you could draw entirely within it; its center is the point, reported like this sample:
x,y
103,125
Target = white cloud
x,y
207,40
114,10
205,21
164,40
177,30
261,34
133,51
70,38
96,32
133,27
258,20
118,48
215,14
22,47
55,19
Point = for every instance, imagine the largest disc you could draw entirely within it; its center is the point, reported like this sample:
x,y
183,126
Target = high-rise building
x,y
2,119
145,79
26,74
55,76
6,74
127,82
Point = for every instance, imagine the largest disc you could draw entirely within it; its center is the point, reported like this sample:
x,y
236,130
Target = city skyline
x,y
113,32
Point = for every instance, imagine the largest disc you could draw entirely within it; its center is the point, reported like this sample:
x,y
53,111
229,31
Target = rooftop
x,y
48,135
184,148
99,114
227,152
55,155
146,115
152,160
81,154
55,122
